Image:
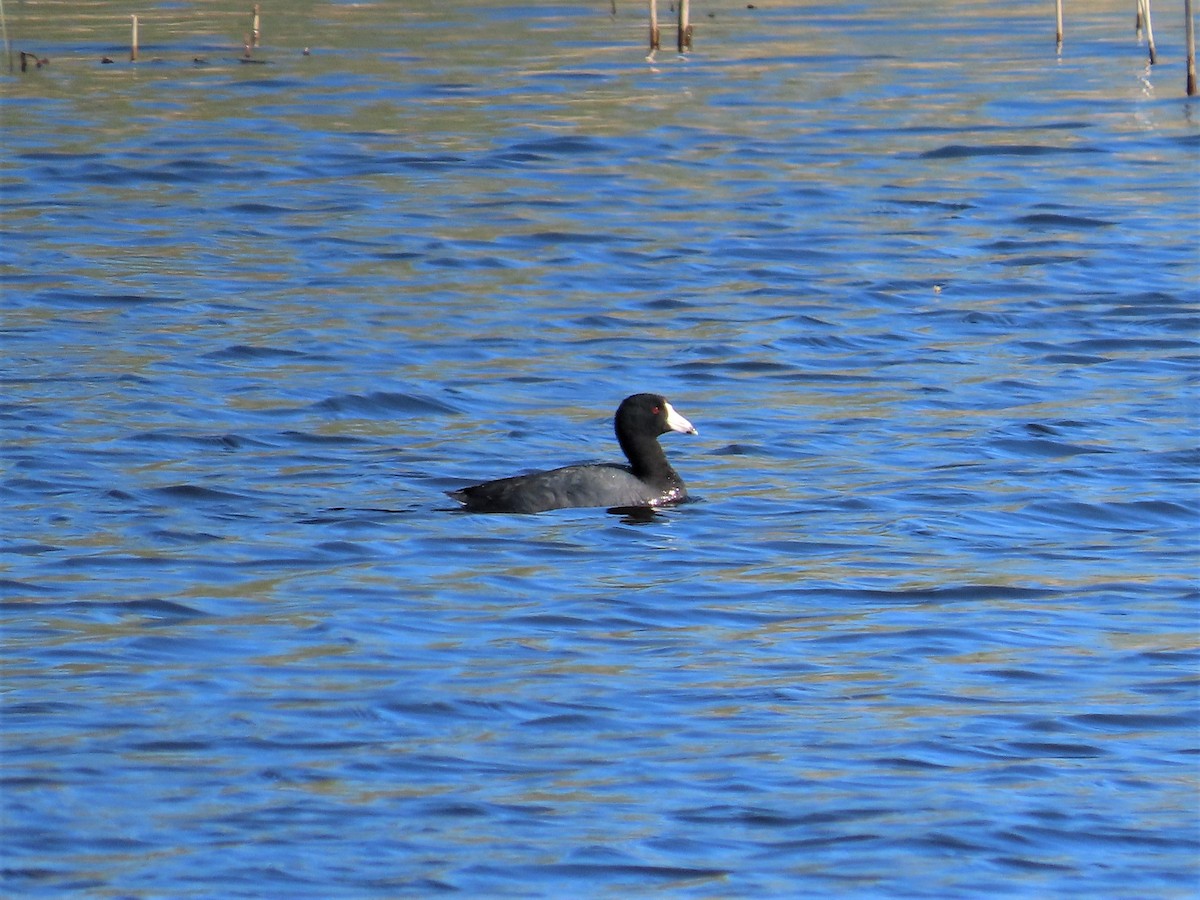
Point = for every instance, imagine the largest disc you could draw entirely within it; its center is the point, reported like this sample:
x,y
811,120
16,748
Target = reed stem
x,y
1190,36
1144,5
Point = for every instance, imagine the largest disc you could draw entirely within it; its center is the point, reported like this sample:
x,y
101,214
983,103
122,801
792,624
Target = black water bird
x,y
647,481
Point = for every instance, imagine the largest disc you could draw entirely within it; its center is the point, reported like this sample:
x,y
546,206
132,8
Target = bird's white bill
x,y
676,422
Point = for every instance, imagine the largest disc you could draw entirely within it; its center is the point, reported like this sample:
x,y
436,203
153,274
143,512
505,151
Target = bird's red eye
x,y
656,410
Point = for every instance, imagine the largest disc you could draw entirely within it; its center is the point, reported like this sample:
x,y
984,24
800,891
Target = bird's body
x,y
648,480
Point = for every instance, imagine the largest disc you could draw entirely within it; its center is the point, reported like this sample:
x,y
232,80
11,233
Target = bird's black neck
x,y
646,458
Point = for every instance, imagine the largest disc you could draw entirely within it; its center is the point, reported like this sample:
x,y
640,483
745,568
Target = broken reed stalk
x,y
655,36
254,32
133,40
685,27
1144,14
1190,36
1058,35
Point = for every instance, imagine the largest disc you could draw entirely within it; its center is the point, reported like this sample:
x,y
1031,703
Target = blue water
x,y
928,291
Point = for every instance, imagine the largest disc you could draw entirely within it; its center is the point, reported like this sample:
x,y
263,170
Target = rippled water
x,y
927,290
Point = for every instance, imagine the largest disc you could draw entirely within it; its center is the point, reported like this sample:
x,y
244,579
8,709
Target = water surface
x,y
927,290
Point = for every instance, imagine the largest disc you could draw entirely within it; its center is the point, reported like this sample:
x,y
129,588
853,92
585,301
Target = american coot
x,y
648,480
